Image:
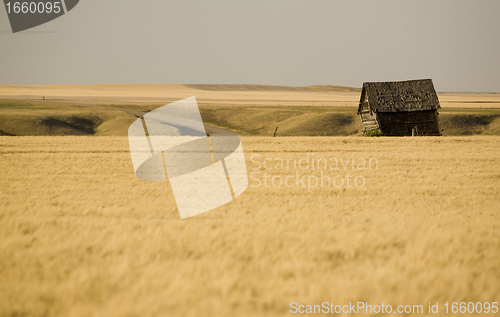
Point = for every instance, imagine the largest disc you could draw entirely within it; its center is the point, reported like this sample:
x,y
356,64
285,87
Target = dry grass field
x,y
82,236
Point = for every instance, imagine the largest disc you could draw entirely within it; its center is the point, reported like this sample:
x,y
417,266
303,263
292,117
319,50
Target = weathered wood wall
x,y
401,123
368,118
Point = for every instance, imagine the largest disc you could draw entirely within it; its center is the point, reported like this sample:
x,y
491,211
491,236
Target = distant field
x,y
24,117
147,94
82,236
222,95
233,87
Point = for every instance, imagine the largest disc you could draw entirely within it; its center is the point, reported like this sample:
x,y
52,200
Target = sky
x,y
269,42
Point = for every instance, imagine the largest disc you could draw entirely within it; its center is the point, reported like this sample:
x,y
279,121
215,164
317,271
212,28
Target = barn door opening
x,y
412,130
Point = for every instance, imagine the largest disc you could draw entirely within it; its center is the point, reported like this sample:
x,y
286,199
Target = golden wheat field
x,y
415,220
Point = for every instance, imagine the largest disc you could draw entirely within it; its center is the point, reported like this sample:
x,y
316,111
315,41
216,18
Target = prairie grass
x,y
82,236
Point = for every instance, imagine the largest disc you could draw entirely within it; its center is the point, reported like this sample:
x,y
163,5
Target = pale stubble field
x,y
80,235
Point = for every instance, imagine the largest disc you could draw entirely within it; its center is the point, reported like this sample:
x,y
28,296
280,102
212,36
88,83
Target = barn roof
x,y
401,96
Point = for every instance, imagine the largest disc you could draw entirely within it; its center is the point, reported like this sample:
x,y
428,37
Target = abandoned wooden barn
x,y
400,108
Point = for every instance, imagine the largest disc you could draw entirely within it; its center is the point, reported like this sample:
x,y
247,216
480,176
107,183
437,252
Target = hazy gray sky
x,y
278,42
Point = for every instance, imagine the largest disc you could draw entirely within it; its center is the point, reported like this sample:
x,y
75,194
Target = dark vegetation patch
x,y
2,133
49,125
73,125
466,124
